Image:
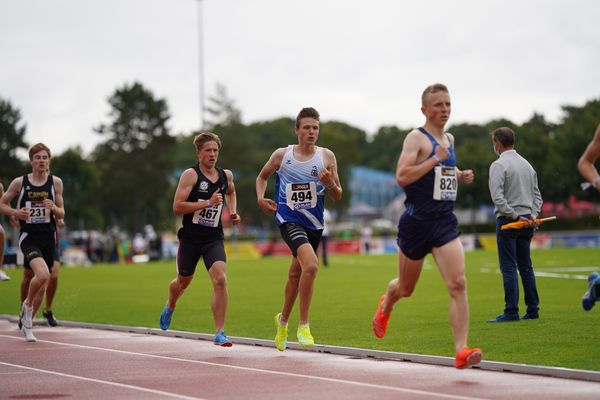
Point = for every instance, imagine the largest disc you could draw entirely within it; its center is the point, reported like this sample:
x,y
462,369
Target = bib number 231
x,y
445,185
300,196
37,212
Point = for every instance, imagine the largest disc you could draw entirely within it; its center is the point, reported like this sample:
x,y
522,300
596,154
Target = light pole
x,y
201,63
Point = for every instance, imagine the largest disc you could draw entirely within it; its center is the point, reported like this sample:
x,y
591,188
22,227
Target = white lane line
x,y
562,276
553,272
122,385
266,371
591,268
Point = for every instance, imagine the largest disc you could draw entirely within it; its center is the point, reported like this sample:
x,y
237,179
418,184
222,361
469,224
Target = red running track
x,y
78,363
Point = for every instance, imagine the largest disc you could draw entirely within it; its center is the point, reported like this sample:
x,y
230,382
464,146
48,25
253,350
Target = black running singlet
x,y
204,224
40,219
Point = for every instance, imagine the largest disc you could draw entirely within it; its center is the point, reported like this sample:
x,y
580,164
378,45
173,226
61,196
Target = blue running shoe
x,y
165,318
222,340
592,294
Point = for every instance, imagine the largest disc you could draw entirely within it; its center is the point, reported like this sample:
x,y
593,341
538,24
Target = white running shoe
x,y
3,276
28,333
27,316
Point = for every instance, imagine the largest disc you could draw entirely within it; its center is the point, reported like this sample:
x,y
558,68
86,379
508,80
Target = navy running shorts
x,y
416,237
189,253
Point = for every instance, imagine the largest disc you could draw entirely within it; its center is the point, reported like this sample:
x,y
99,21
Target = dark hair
x,y
436,87
307,112
205,137
505,136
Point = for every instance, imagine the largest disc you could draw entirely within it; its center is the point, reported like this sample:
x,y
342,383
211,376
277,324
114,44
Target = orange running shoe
x,y
467,356
380,320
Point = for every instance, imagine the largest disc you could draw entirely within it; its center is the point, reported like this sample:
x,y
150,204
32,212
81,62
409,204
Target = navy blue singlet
x,y
419,194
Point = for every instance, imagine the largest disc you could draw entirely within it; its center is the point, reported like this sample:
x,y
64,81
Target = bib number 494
x,y
301,196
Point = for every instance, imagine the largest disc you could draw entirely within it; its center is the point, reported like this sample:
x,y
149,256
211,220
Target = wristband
x,y
208,205
333,185
436,158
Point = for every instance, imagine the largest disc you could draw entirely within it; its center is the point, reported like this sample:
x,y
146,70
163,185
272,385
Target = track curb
x,y
555,372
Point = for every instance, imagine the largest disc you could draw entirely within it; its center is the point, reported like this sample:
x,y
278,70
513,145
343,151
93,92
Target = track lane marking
x,y
122,385
266,371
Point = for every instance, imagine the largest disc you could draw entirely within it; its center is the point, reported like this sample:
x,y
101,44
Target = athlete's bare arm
x,y
272,165
184,187
329,176
12,192
231,198
588,158
56,206
414,161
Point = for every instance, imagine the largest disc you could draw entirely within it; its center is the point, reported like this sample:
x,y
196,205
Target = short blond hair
x,y
205,137
36,148
436,87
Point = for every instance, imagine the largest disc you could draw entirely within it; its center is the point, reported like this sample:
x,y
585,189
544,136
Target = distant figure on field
x,y
327,220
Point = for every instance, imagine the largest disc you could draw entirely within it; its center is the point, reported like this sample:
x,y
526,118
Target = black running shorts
x,y
34,245
188,255
296,235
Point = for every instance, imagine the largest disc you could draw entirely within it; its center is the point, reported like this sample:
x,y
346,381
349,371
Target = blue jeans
x,y
514,255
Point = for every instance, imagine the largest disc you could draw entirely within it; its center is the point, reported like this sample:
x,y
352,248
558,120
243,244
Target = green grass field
x,y
345,299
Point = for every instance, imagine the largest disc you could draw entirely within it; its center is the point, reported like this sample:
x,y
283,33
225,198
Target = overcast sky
x,y
361,62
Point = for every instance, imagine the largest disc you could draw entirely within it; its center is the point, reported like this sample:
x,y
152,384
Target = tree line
x,y
129,178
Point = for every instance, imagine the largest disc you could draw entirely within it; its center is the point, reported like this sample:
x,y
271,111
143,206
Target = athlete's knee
x,y
219,281
182,282
43,277
401,291
398,290
294,275
457,285
310,270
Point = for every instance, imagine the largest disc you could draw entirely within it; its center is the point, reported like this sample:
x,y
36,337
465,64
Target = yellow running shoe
x,y
281,335
304,337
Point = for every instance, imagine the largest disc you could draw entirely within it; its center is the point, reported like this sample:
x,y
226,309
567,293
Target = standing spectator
x,y
366,234
139,244
514,190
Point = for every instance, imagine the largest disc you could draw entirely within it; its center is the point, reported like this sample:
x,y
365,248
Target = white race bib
x,y
37,213
301,196
209,216
445,185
